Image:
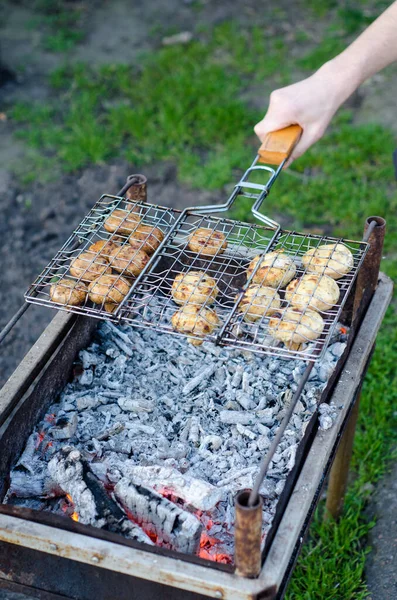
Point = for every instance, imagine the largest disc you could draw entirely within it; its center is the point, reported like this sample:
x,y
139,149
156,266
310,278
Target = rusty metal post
x,y
137,190
339,473
247,536
367,278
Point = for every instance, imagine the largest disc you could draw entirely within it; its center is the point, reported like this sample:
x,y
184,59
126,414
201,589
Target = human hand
x,y
310,103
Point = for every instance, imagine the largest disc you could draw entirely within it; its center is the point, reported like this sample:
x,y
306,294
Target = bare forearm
x,y
311,103
374,49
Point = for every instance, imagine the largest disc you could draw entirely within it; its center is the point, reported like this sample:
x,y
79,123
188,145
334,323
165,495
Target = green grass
x,y
61,22
184,104
193,115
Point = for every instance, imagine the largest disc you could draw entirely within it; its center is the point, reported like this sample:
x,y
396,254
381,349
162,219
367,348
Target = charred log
x,y
180,529
196,492
110,511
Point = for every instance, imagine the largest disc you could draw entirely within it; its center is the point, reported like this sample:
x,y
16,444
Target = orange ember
x,y
74,516
40,438
343,330
208,550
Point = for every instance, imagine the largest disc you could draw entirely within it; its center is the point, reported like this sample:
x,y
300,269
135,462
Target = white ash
x,y
200,418
67,471
327,415
173,525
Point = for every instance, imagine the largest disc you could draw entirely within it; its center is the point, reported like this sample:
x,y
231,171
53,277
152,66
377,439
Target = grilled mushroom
x,y
334,260
294,327
195,287
88,266
196,320
207,241
149,237
103,248
128,260
108,289
122,221
319,292
275,269
258,301
68,292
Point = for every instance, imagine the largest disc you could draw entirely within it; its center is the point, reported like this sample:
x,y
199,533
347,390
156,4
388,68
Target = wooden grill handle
x,y
278,145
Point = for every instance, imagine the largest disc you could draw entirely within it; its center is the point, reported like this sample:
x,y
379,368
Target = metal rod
x,y
371,227
253,498
6,330
371,224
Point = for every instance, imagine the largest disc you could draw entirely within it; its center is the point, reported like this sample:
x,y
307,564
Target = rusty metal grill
x,y
89,231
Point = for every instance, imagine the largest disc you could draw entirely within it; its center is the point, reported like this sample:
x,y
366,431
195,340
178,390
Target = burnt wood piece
x,y
27,485
180,529
66,469
109,510
90,500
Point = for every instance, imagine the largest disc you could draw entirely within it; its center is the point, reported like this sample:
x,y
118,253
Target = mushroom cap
x,y
207,241
197,320
195,287
318,292
68,292
128,260
291,325
275,269
122,221
148,236
258,301
334,260
89,266
108,289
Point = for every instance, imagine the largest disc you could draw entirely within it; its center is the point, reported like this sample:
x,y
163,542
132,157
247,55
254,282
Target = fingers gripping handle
x,y
278,145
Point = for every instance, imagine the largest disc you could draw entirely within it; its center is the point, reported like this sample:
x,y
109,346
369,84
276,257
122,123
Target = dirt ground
x,y
36,220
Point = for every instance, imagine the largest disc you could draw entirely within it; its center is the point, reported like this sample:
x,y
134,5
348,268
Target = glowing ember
x,y
74,516
40,438
208,550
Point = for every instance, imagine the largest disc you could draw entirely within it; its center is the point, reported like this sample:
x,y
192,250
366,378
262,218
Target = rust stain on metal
x,y
367,278
247,537
138,188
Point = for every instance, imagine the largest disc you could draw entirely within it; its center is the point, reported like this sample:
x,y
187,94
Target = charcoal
x,y
199,379
177,527
232,417
199,494
65,427
192,423
24,484
67,470
115,518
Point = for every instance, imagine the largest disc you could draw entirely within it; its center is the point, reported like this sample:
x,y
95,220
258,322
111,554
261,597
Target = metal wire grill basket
x,y
90,231
151,303
246,307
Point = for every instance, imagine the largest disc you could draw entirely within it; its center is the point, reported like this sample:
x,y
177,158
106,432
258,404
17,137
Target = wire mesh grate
x,y
264,322
101,245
